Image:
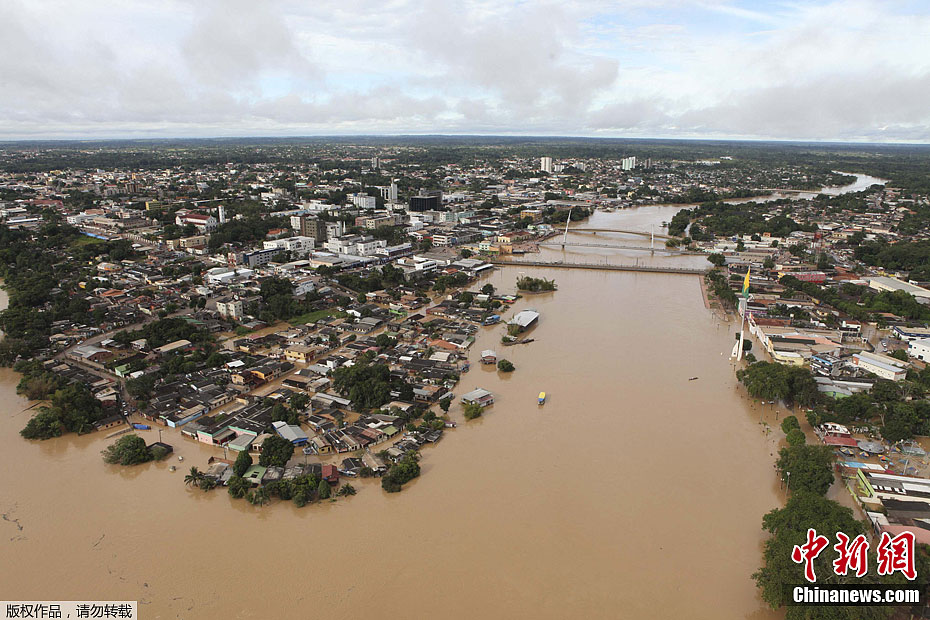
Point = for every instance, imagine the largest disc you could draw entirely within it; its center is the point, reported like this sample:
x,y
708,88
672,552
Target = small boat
x,y
180,458
693,379
172,468
142,427
542,398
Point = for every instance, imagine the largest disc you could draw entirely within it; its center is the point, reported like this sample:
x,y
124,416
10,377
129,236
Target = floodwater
x,y
634,492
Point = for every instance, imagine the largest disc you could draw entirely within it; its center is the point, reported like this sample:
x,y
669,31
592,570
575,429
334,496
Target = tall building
x,y
389,193
545,164
628,163
222,214
375,163
313,227
426,200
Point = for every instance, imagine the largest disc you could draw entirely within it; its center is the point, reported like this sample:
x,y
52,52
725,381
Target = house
x,y
330,474
919,349
290,432
478,396
108,422
883,366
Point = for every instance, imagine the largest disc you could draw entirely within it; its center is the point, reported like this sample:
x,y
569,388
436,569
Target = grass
x,y
312,317
85,240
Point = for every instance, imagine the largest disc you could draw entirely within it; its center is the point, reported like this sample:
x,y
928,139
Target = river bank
x,y
631,473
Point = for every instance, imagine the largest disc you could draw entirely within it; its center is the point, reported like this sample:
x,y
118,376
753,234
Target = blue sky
x,y
852,70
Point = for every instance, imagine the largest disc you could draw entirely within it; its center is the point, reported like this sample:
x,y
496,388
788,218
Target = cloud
x,y
841,70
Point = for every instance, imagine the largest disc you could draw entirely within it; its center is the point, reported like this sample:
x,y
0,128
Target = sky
x,y
847,70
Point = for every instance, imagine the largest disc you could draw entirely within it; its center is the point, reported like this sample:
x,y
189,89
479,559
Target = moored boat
x,y
542,398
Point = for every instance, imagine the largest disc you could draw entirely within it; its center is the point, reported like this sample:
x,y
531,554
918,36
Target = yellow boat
x,y
542,398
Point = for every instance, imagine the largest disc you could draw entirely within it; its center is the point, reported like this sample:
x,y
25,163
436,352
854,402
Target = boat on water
x,y
142,427
542,398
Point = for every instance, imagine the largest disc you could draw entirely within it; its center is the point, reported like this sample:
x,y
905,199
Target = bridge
x,y
617,246
601,266
640,233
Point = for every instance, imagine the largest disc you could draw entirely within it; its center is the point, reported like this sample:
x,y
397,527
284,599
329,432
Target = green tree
x,y
717,260
788,527
238,487
127,450
401,472
795,437
276,452
790,422
242,464
473,410
505,366
324,490
806,468
444,404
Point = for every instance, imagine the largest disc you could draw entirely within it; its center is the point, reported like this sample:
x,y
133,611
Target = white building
x,y
919,349
203,223
893,284
545,164
389,192
298,246
883,366
229,307
364,201
628,163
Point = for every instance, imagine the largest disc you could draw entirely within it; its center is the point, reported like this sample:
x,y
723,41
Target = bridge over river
x,y
617,246
602,266
639,233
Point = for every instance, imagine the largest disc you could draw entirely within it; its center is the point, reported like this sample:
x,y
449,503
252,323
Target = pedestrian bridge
x,y
640,233
601,266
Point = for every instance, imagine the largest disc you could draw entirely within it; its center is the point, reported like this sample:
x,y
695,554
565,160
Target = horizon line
x,y
802,141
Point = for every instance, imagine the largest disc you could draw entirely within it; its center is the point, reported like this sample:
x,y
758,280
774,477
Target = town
x,y
323,298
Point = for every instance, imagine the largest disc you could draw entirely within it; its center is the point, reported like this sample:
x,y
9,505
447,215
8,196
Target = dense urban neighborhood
x,y
310,308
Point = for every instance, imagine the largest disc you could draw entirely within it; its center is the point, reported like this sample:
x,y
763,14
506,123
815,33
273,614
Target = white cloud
x,y
843,70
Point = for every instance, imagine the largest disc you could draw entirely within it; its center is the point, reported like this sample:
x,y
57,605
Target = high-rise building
x,y
426,200
628,163
222,214
313,227
375,163
545,164
389,193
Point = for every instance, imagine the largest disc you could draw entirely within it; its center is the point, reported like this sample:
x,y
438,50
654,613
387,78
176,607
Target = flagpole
x,y
744,302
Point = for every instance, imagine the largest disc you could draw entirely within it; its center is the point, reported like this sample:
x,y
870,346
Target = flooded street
x,y
633,492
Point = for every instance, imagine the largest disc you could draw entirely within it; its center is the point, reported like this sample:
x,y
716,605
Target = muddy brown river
x,y
633,493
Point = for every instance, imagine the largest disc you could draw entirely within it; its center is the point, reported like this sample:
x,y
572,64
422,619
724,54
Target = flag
x,y
746,285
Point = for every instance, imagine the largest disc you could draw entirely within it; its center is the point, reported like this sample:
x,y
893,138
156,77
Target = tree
x,y
488,289
768,263
346,490
193,477
276,452
789,423
505,366
324,490
444,404
775,381
717,259
807,468
473,410
242,464
401,472
238,487
127,450
788,527
795,437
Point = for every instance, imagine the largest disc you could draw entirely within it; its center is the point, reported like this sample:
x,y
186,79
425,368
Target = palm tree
x,y
194,477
